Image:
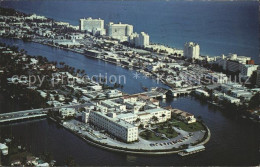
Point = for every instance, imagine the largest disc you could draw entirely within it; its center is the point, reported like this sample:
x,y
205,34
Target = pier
x,y
192,150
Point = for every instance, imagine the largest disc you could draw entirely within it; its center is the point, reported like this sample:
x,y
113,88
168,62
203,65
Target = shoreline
x,y
131,151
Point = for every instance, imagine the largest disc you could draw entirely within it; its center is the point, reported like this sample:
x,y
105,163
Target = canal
x,y
234,141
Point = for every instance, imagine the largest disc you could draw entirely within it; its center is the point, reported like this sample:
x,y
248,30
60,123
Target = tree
x,y
137,120
155,119
255,101
141,126
148,134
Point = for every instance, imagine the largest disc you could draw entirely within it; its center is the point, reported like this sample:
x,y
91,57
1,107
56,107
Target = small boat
x,y
145,88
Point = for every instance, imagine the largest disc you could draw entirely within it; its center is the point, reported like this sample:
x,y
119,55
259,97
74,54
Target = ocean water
x,y
219,27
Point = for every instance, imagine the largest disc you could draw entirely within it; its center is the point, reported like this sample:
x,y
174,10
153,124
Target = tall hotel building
x,y
95,26
191,50
117,127
119,31
141,40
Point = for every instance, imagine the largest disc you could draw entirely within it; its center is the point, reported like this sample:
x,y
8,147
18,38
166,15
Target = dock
x,y
192,150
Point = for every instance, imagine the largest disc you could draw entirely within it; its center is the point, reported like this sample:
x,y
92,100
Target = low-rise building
x,y
201,92
228,98
135,106
111,104
246,70
4,149
184,116
153,116
67,112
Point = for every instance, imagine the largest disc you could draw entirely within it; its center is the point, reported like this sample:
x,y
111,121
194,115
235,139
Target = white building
x,y
128,117
232,62
34,16
146,116
95,26
191,50
119,128
229,98
247,69
85,116
135,106
125,99
111,104
114,93
201,92
67,112
119,31
4,149
140,40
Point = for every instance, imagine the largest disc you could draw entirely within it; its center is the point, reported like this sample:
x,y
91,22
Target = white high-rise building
x,y
95,26
247,70
191,50
117,127
141,40
119,31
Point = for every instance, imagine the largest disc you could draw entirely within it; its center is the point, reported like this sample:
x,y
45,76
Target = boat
x,y
145,88
192,150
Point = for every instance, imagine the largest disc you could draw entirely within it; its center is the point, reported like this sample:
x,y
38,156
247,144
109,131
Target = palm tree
x,y
137,120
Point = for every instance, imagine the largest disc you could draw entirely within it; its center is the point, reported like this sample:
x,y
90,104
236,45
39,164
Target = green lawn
x,y
168,133
188,127
148,135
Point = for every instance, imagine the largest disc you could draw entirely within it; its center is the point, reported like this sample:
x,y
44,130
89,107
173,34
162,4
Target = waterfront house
x,y
67,112
184,116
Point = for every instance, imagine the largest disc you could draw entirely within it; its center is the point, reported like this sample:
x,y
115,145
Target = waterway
x,y
234,141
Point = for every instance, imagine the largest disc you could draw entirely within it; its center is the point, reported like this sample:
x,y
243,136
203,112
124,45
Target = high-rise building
x,y
115,126
95,26
119,31
247,70
141,40
191,50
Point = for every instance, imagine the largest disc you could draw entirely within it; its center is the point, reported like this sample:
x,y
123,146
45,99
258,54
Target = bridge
x,y
183,91
154,93
34,113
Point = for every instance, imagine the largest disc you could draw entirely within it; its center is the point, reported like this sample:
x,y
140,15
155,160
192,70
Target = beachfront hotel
x,y
139,40
191,50
120,31
94,26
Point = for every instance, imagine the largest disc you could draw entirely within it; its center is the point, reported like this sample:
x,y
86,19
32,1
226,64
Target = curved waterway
x,y
234,141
